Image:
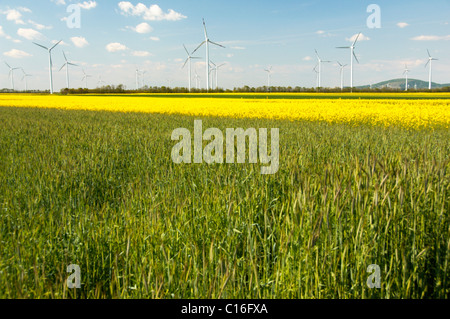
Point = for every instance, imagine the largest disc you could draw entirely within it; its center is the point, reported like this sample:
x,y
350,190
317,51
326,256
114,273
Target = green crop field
x,y
100,190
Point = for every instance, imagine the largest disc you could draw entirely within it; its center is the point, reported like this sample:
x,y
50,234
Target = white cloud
x,y
402,25
115,47
13,15
59,2
362,37
142,28
154,38
16,54
238,48
79,42
39,26
431,38
29,34
230,55
88,5
320,32
307,58
141,53
151,13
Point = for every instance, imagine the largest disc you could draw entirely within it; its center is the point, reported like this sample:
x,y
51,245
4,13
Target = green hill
x,y
400,84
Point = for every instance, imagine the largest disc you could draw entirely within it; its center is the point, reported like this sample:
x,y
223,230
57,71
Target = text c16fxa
x,y
213,152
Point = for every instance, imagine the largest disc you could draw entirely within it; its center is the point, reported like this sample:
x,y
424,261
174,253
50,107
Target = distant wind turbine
x,y
11,74
188,61
143,78
406,75
197,79
66,65
207,42
352,55
85,78
342,74
269,75
25,76
320,67
50,63
317,76
216,70
430,62
100,81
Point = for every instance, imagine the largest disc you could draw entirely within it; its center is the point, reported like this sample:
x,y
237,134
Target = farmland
x,y
89,180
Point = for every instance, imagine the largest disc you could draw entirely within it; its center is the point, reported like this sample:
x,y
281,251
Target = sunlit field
x,y
387,110
89,180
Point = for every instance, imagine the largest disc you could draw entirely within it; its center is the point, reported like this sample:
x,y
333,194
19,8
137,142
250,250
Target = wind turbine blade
x,y
339,63
186,49
427,63
55,45
40,46
65,58
204,27
356,40
217,44
8,65
198,47
221,65
429,53
72,64
63,66
355,57
185,63
343,47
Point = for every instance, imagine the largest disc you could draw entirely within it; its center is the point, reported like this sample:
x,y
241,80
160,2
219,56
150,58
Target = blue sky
x,y
115,37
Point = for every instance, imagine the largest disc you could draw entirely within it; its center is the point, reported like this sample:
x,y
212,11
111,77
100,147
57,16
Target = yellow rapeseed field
x,y
412,113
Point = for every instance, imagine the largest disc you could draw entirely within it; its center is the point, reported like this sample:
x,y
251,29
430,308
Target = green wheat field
x,y
100,190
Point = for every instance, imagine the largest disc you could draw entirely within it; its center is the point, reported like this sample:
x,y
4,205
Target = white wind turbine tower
x,y
143,78
269,75
67,69
137,79
320,67
430,62
25,76
50,63
197,79
85,78
207,42
342,74
352,55
188,61
11,74
317,76
406,75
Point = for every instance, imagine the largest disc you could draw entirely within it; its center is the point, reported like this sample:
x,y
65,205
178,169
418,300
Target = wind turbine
x,y
85,78
342,74
50,63
320,67
269,75
143,81
67,69
207,42
352,55
197,79
188,61
25,76
406,74
430,62
11,74
317,76
137,79
100,81
216,70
